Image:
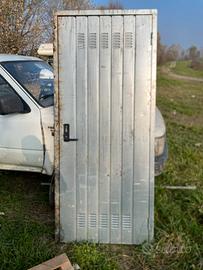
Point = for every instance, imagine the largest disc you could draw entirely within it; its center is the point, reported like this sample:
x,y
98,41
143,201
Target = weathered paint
x,y
105,90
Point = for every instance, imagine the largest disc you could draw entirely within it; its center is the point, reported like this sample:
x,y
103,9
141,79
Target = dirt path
x,y
167,71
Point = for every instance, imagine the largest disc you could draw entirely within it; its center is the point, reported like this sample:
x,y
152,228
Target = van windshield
x,y
36,77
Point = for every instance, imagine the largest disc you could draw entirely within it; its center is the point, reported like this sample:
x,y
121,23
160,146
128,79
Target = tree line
x,y
25,24
176,52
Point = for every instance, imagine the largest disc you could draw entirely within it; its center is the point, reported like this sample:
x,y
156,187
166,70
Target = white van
x,y
27,117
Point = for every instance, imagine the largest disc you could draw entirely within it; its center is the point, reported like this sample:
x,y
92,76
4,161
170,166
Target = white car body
x,y
27,139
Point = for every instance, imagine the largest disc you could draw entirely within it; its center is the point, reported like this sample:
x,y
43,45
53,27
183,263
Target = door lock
x,y
66,134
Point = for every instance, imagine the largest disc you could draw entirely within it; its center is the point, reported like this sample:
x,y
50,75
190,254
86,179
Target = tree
x,y
54,5
21,25
112,5
166,54
76,4
174,52
194,56
182,54
193,53
24,24
161,51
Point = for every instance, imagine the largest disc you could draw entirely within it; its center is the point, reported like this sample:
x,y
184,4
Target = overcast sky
x,y
179,21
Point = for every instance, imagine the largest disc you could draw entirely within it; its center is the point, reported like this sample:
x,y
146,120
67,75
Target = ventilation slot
x,y
92,40
103,221
116,40
104,40
81,40
126,222
114,221
92,220
128,40
81,220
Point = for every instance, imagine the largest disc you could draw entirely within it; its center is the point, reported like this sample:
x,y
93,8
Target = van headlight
x,y
159,145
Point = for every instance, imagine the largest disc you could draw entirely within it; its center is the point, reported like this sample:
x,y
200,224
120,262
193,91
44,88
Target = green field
x,y
26,220
183,68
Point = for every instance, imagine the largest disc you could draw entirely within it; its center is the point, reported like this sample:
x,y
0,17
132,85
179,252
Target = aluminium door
x,y
105,106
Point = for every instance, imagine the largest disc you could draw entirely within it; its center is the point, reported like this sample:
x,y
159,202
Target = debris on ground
x,y
181,187
60,262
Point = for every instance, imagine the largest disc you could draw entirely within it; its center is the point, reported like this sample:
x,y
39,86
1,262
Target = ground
x,y
26,220
183,68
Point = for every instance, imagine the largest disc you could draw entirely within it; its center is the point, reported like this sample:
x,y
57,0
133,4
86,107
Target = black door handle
x,y
66,134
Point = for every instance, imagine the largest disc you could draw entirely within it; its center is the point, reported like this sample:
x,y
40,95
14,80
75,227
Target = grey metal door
x,y
105,105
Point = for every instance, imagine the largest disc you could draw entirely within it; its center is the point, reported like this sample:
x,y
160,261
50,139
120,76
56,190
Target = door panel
x,y
21,143
67,77
106,96
105,125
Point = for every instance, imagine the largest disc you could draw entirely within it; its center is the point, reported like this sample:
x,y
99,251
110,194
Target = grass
x,y
26,223
183,68
26,229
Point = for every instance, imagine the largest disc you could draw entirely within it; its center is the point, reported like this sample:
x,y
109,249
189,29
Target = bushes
x,y
196,65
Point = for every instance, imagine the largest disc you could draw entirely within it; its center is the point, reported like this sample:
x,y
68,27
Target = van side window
x,y
36,77
5,88
10,101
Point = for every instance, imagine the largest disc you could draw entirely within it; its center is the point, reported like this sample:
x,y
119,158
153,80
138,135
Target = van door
x,y
21,141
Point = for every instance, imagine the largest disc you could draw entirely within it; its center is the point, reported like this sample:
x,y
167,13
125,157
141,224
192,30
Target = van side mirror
x,y
12,103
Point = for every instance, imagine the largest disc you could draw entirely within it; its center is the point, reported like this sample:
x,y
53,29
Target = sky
x,y
179,21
